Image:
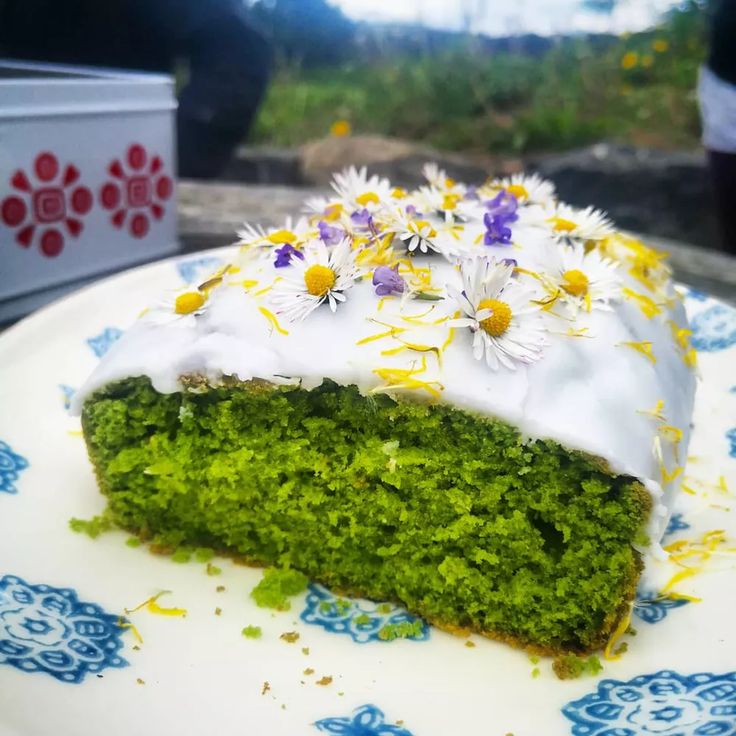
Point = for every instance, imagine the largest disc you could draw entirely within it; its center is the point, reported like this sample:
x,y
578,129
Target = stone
x,y
661,193
399,160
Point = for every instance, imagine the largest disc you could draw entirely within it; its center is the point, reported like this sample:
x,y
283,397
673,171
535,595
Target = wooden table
x,y
210,213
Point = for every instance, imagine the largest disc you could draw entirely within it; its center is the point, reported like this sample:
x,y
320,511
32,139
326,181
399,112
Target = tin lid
x,y
39,89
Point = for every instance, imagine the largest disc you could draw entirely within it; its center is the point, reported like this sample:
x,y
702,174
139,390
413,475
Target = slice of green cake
x,y
492,442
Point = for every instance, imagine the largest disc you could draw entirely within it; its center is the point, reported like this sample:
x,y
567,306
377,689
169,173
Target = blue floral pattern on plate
x,y
714,328
196,268
731,437
67,393
695,295
362,621
101,343
46,629
11,464
652,608
676,524
662,703
365,721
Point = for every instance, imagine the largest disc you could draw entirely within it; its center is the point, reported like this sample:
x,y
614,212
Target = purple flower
x,y
510,262
503,205
471,193
362,218
497,232
411,210
387,281
330,235
284,254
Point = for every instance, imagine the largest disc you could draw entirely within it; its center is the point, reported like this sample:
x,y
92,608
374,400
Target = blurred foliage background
x,y
459,91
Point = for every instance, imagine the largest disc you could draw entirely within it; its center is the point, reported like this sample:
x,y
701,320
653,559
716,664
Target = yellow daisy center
x,y
399,193
499,321
189,302
281,237
449,201
564,226
518,191
319,279
575,282
333,212
367,198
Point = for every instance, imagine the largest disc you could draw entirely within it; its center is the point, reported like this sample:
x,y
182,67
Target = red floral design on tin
x,y
47,205
138,191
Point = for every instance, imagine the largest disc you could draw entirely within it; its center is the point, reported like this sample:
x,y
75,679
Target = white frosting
x,y
587,393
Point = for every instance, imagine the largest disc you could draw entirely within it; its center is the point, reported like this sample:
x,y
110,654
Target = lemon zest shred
x,y
722,485
271,317
392,332
123,624
672,433
644,347
621,629
687,489
657,412
691,358
151,605
415,347
263,291
647,305
448,341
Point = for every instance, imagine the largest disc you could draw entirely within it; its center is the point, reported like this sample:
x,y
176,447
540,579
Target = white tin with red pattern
x,y
87,171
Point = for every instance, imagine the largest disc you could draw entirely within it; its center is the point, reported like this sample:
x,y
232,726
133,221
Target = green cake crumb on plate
x,y
277,586
252,632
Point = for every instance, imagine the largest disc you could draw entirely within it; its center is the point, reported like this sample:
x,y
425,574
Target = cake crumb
x,y
283,706
266,687
470,644
140,681
136,648
403,630
218,611
290,636
182,555
220,589
571,666
309,671
305,650
326,680
341,693
213,570
277,586
252,632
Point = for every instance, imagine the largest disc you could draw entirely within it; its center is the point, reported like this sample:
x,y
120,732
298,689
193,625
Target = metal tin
x,y
87,172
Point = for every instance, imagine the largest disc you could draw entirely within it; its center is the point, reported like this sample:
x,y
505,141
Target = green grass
x,y
464,100
451,514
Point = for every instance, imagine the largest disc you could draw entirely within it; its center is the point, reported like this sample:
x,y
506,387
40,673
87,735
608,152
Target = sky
x,y
503,17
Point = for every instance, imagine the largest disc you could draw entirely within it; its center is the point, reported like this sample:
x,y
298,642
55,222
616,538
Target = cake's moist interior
x,y
451,514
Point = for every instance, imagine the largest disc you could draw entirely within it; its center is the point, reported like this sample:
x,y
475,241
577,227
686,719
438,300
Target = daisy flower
x,y
573,225
528,190
357,191
293,233
323,275
181,308
507,327
437,179
580,279
410,228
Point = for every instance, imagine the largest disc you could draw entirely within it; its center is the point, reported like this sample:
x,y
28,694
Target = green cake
x,y
478,433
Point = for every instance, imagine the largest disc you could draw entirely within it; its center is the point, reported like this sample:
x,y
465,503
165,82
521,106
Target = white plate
x,y
66,667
